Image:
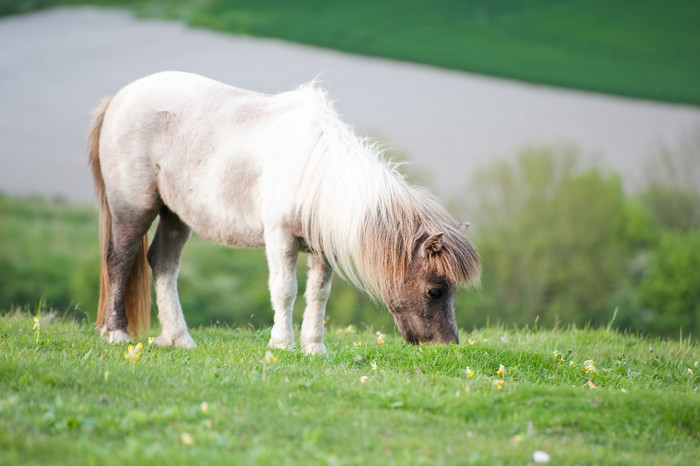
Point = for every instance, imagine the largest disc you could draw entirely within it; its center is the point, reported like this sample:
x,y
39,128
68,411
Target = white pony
x,y
245,169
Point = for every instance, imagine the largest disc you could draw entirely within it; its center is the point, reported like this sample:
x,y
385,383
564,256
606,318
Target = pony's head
x,y
422,299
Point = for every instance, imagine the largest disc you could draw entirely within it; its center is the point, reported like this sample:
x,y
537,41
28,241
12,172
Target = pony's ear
x,y
432,245
462,227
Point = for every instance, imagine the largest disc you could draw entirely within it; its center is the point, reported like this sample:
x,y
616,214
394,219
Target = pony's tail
x,y
138,285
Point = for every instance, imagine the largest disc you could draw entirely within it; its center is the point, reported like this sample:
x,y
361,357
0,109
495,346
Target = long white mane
x,y
357,209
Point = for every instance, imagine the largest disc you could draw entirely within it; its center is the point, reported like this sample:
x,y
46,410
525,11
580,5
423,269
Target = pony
x,y
275,171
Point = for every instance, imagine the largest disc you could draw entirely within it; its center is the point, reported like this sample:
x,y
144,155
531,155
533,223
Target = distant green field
x,y
67,397
638,48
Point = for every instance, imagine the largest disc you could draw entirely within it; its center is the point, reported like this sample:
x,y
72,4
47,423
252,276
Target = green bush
x,y
552,239
671,290
563,243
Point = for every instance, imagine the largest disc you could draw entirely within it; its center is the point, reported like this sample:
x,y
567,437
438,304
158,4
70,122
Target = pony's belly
x,y
236,238
226,227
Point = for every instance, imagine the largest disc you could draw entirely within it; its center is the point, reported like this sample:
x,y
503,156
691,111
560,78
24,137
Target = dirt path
x,y
56,65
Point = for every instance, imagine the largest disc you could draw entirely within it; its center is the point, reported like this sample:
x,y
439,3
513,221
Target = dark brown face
x,y
428,315
424,313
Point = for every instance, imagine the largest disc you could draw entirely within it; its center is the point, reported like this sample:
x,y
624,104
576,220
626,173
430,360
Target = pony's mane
x,y
358,210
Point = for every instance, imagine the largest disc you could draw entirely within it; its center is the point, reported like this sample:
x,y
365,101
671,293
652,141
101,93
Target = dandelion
x,y
204,407
470,373
364,379
37,328
380,338
374,366
270,358
499,383
133,353
501,369
151,340
589,367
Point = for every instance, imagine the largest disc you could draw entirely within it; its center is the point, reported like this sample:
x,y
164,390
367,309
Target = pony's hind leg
x,y
282,249
318,288
127,233
164,256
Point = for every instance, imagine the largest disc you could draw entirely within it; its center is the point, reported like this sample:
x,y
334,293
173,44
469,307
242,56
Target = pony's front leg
x,y
282,250
318,288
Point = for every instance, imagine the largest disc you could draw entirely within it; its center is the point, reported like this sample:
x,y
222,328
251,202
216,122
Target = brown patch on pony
x,y
138,286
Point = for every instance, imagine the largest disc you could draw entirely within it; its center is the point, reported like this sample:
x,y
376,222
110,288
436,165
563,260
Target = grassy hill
x,y
67,397
637,48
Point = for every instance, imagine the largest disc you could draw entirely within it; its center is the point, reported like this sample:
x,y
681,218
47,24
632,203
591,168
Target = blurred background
x,y
567,133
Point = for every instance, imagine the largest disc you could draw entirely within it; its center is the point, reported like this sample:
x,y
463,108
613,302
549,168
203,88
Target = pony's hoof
x,y
281,339
281,344
314,348
116,336
182,341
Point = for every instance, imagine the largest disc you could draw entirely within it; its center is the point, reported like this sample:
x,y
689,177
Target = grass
x,y
638,48
67,397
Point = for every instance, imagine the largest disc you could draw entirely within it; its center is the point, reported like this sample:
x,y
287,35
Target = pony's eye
x,y
434,292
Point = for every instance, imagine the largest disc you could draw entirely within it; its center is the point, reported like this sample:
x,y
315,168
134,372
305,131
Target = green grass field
x,y
637,48
67,397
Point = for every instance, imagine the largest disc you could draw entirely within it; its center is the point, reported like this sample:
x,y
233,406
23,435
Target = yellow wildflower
x,y
151,340
499,383
470,373
37,328
589,367
690,371
501,369
133,353
356,343
270,358
374,366
471,342
380,338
